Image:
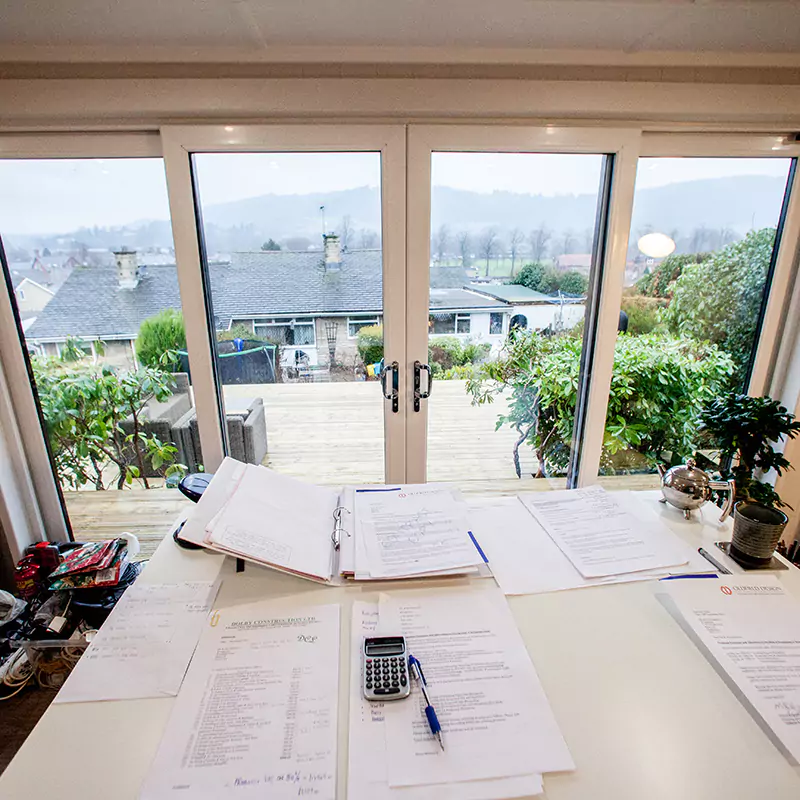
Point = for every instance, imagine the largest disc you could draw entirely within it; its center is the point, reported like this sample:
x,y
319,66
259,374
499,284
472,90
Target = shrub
x,y
719,299
550,281
447,352
238,331
370,344
659,282
659,384
159,337
644,313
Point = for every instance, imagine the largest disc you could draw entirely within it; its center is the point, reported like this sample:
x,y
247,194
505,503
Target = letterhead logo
x,y
726,590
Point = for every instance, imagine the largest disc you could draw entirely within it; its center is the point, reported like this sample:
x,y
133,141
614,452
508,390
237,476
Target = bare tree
x,y
464,245
538,240
488,245
565,243
369,239
346,231
440,241
515,239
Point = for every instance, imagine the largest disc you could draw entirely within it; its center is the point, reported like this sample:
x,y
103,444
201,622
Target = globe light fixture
x,y
656,245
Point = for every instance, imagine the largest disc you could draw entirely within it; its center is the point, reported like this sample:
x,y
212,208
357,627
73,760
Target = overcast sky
x,y
50,196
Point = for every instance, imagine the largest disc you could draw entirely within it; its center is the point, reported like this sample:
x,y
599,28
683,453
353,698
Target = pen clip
x,y
416,662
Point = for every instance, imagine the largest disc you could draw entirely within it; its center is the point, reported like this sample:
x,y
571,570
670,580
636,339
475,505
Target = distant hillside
x,y
677,209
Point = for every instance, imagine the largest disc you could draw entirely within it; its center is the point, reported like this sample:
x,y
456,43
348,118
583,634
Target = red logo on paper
x,y
402,494
726,590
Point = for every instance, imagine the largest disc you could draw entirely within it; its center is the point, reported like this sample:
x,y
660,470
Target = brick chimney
x,y
127,268
333,252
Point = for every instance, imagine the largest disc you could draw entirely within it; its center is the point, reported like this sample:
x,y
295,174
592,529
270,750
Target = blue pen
x,y
416,671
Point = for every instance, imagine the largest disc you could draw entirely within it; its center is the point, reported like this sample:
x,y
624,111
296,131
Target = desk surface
x,y
644,714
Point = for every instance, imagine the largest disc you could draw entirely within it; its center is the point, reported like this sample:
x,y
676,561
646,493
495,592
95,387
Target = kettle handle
x,y
730,488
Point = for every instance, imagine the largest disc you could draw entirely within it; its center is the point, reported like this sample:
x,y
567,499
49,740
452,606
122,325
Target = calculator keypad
x,y
386,678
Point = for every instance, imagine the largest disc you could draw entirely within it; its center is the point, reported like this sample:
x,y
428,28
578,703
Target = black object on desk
x,y
193,486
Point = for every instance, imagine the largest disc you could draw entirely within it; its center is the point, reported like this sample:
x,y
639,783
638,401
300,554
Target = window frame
x,y
364,320
502,322
278,323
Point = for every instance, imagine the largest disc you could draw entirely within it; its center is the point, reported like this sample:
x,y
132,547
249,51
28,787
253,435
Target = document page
x,y
495,718
525,560
145,645
367,775
598,536
411,530
751,628
257,714
278,520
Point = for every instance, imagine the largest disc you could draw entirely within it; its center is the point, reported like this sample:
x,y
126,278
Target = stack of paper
x,y
524,559
257,713
145,645
750,627
499,732
410,531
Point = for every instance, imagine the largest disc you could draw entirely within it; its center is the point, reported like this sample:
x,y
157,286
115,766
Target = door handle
x,y
418,393
394,394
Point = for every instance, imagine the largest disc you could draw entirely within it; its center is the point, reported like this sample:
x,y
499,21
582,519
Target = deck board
x,y
332,434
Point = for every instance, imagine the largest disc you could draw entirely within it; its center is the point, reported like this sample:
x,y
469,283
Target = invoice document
x,y
257,714
525,560
367,775
145,645
495,717
414,529
600,537
751,628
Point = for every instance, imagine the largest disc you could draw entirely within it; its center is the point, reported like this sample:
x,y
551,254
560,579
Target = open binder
x,y
326,535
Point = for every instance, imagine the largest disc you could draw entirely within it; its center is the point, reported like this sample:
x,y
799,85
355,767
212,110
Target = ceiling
x,y
259,29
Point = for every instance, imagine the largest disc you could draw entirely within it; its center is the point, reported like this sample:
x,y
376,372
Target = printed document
x,y
495,718
257,714
525,560
413,530
751,628
367,776
278,521
598,535
145,645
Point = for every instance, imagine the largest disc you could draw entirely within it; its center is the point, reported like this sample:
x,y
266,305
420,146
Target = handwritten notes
x,y
257,713
144,647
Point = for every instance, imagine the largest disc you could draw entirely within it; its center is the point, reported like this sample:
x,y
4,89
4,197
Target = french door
x,y
291,239
517,241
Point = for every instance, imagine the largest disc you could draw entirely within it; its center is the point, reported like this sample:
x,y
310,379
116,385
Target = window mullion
x,y
620,208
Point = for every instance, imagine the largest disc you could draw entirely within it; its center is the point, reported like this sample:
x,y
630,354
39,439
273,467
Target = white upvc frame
x,y
180,141
722,145
36,483
423,140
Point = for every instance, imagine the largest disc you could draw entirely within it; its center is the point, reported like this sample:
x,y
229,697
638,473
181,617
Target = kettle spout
x,y
660,468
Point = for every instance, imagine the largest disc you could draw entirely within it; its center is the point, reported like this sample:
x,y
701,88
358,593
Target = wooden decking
x,y
332,433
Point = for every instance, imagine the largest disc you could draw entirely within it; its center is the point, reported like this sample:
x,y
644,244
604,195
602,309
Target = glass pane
x,y
701,242
293,242
511,255
89,250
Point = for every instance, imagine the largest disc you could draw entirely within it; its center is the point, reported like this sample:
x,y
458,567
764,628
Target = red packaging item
x,y
27,575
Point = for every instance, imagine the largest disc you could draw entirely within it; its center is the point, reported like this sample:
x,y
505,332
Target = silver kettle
x,y
687,487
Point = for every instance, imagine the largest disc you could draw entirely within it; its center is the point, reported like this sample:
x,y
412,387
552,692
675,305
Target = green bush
x,y
550,281
237,331
447,352
644,313
159,337
659,282
460,373
370,344
719,299
659,385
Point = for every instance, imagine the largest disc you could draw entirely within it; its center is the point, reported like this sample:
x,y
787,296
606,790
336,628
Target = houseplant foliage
x,y
657,383
744,429
84,406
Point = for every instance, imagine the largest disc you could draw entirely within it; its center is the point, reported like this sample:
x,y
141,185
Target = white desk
x,y
643,712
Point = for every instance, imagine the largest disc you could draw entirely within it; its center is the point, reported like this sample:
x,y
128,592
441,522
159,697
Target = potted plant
x,y
744,429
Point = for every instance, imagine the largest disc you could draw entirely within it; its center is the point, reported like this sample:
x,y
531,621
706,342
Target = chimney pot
x,y
127,268
333,252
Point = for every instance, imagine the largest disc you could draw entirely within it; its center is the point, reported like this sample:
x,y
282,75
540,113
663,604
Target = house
x,y
534,311
31,296
577,262
308,302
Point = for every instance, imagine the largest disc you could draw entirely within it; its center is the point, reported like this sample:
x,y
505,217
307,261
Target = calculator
x,y
385,668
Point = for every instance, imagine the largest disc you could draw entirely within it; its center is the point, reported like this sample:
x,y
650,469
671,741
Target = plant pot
x,y
757,530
